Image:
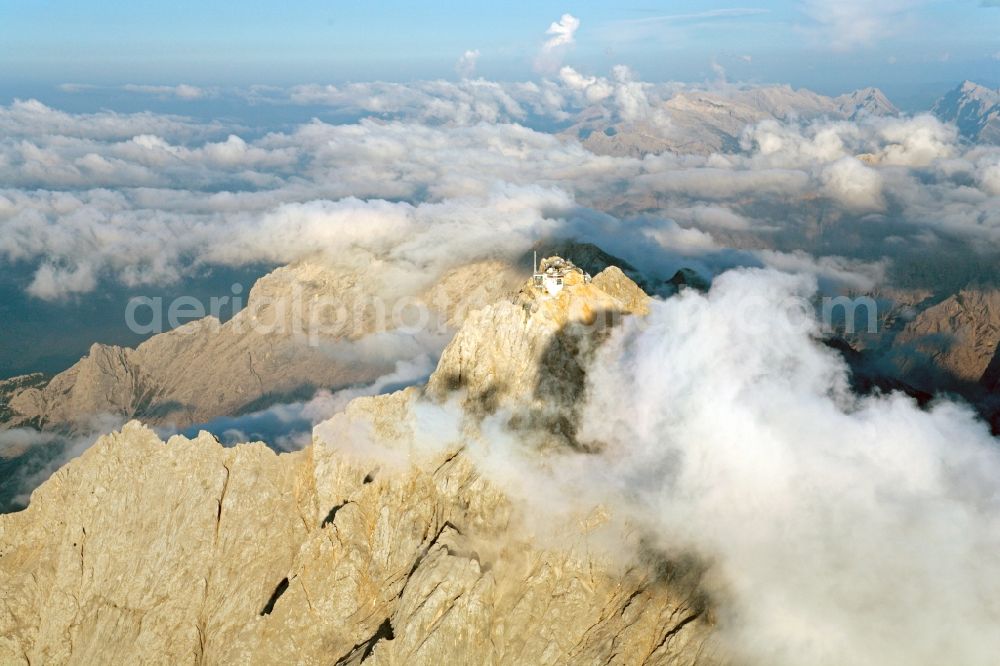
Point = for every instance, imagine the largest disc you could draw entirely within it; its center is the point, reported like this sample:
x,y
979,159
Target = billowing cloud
x,y
561,34
30,119
594,89
834,528
856,186
466,65
144,198
990,178
52,282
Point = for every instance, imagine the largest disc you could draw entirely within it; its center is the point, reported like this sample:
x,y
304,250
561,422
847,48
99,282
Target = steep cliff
x,y
527,354
960,335
382,542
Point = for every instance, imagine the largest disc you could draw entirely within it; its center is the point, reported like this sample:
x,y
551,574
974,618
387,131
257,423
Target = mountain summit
x,y
974,108
866,102
382,542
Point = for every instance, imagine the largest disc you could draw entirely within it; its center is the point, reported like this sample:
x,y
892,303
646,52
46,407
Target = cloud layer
x,y
140,198
835,528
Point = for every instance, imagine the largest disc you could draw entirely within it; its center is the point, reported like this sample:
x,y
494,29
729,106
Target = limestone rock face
x,y
181,552
528,354
14,386
140,548
284,345
383,542
616,284
960,335
107,380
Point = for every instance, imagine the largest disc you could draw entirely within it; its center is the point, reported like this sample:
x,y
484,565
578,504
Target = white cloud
x,y
30,118
594,89
836,529
631,98
990,178
562,33
854,185
145,198
852,274
51,282
917,141
466,65
181,91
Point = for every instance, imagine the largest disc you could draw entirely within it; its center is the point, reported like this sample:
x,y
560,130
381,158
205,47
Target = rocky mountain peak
x,y
974,108
960,335
972,88
189,552
866,101
528,354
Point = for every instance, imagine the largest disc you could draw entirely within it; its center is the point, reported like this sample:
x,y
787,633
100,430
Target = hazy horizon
x,y
912,49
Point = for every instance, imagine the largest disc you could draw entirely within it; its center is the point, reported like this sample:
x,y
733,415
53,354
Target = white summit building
x,y
555,272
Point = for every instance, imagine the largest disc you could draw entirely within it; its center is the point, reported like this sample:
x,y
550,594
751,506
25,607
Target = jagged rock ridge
x,y
528,354
366,546
281,347
959,335
975,109
704,122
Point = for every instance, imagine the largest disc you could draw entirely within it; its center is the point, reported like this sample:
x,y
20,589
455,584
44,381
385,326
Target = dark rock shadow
x,y
922,379
562,380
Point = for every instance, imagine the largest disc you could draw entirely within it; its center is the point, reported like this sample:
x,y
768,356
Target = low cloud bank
x,y
836,528
288,426
146,198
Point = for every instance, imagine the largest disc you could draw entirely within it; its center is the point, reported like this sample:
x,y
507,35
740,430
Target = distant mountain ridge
x,y
707,121
974,108
868,101
263,355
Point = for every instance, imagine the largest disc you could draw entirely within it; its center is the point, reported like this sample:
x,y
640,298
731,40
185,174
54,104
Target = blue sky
x,y
824,45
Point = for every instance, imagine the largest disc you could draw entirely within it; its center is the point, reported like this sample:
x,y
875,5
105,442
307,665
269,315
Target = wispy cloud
x,y
849,24
181,91
649,26
731,12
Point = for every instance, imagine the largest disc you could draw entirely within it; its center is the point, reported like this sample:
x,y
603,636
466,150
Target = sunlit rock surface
x,y
289,341
383,542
